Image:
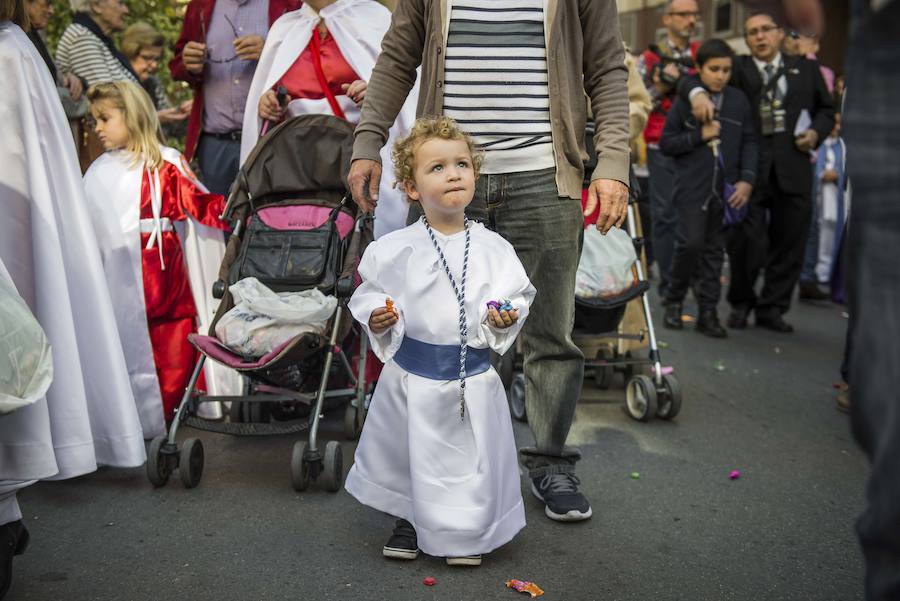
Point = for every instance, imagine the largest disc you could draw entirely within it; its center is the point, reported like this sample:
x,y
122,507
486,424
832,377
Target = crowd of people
x,y
744,159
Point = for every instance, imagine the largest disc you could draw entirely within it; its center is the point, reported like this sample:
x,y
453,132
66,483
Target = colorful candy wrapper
x,y
493,304
525,587
389,305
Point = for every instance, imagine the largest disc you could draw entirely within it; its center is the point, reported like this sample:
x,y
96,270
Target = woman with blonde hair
x,y
162,244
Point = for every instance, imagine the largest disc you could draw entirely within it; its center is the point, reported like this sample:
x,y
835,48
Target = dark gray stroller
x,y
294,229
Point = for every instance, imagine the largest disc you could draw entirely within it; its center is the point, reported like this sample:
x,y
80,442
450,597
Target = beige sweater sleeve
x,y
639,104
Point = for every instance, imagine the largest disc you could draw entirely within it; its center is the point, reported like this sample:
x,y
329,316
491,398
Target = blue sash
x,y
440,361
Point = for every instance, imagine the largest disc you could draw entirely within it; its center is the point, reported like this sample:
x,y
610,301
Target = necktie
x,y
770,73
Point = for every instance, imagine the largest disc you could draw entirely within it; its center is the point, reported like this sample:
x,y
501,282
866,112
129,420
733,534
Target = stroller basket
x,y
601,315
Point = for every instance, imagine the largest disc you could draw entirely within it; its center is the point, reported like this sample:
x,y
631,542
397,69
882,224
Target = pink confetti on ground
x,y
734,475
429,581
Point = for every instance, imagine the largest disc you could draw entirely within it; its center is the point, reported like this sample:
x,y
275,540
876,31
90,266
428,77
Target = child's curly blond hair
x,y
424,129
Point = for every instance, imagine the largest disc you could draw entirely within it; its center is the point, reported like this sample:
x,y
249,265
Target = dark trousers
x,y
699,251
219,161
772,237
871,128
662,212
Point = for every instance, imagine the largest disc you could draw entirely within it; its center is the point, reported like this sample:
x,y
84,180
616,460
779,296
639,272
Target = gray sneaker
x,y
559,493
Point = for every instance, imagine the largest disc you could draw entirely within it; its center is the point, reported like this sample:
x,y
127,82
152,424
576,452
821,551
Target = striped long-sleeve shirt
x,y
496,82
84,54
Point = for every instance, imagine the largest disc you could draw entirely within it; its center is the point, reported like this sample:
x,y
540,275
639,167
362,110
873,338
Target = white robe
x,y
113,187
358,27
456,481
48,245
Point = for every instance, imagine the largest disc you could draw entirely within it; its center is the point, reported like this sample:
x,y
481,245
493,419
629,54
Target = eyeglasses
x,y
684,14
766,29
150,58
233,57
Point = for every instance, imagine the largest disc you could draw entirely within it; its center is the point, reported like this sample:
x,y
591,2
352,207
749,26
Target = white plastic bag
x,y
261,320
26,363
605,268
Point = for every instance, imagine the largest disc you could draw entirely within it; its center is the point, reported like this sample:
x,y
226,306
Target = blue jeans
x,y
546,231
219,161
662,212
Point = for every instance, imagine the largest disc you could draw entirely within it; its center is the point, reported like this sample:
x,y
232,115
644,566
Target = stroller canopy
x,y
306,154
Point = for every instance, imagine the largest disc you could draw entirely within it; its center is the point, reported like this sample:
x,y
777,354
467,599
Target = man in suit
x,y
220,42
793,112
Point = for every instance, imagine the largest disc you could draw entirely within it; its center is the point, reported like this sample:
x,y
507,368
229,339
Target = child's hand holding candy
x,y
383,318
503,315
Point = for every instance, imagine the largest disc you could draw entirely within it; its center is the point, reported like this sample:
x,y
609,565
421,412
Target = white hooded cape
x,y
113,186
358,27
48,245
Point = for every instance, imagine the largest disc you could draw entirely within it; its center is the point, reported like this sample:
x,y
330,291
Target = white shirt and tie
x,y
767,70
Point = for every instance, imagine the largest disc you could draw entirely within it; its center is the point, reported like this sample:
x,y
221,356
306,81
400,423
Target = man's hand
x,y
269,109
612,195
364,179
193,55
381,319
502,319
703,108
830,176
807,140
672,71
249,47
73,83
741,196
356,91
187,106
171,115
710,131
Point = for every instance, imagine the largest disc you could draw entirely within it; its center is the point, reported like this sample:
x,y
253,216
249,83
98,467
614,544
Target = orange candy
x,y
389,305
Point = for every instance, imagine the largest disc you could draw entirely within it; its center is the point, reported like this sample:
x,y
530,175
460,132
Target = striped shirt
x,y
84,54
496,82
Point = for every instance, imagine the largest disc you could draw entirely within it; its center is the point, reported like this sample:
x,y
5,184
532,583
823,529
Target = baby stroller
x,y
294,229
648,391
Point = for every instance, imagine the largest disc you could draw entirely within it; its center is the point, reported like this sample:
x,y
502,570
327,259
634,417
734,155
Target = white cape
x,y
113,187
358,27
456,481
48,244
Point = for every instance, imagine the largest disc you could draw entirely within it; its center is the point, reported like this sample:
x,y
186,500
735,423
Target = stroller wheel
x,y
333,471
670,404
517,397
299,467
190,464
158,470
352,425
640,398
603,374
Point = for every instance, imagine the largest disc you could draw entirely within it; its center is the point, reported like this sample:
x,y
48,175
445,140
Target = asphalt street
x,y
758,402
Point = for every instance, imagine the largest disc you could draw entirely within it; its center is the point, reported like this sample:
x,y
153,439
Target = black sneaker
x,y
402,544
563,502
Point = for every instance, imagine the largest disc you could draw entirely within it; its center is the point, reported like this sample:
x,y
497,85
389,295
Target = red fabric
x,y
196,19
171,313
657,119
320,67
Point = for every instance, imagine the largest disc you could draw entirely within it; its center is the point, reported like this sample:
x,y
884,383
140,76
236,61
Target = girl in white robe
x,y
446,466
162,244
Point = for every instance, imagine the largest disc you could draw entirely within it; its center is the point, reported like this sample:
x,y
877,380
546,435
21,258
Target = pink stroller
x,y
294,229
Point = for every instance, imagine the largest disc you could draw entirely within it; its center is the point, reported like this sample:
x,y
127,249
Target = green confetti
x,y
719,366
663,344
635,475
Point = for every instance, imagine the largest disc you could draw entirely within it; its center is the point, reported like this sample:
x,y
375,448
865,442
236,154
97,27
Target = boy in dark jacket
x,y
715,163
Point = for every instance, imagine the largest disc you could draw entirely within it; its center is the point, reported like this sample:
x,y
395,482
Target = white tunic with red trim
x,y
315,67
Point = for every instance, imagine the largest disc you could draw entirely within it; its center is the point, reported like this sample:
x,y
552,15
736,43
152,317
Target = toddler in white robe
x,y
447,468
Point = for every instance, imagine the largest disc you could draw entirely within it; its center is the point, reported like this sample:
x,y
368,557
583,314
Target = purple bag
x,y
731,216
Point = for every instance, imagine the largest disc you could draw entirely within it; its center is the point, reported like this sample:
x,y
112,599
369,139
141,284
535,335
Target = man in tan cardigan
x,y
514,73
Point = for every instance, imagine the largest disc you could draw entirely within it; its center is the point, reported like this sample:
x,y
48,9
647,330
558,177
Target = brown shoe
x,y
843,398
